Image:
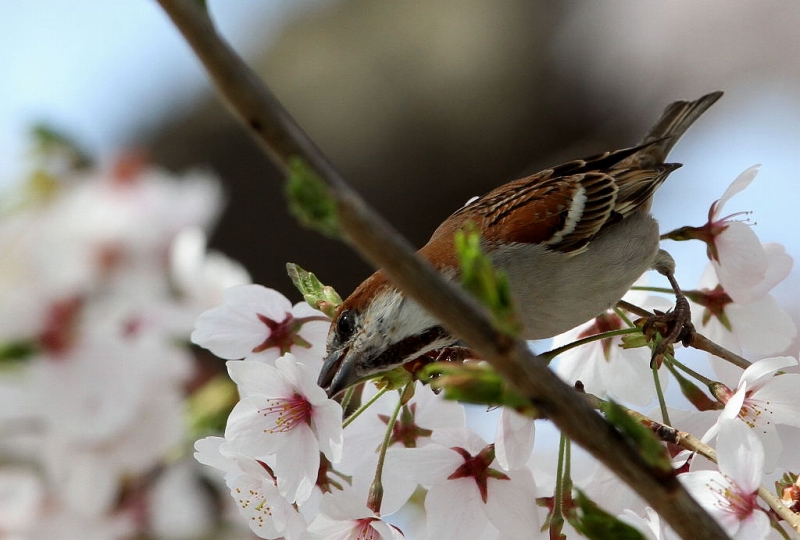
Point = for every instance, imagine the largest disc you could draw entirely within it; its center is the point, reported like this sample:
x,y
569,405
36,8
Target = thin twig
x,y
696,339
701,342
382,246
692,443
689,442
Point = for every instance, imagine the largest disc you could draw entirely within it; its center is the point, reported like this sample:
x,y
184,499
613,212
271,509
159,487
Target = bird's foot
x,y
675,325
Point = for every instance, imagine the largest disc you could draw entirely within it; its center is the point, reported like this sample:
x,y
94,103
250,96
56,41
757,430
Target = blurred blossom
x,y
95,348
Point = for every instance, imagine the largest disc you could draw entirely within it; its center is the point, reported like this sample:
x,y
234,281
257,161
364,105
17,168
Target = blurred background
x,y
421,105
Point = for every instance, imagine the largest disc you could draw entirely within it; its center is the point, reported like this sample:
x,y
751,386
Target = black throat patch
x,y
410,348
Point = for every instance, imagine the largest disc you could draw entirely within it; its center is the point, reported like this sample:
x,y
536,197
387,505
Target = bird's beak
x,y
338,372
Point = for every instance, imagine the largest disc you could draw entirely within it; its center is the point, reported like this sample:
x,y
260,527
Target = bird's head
x,y
374,330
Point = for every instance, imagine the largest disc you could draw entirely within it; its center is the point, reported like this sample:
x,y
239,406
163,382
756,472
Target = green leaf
x,y
394,379
642,439
16,351
48,142
318,296
593,522
788,481
310,200
476,383
479,277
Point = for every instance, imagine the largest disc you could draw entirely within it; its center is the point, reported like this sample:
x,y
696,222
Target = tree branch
x,y
383,247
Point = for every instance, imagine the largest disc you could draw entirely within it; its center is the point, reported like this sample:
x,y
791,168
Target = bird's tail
x,y
674,122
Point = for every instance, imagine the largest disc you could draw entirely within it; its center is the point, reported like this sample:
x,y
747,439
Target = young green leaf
x,y
318,296
642,439
480,278
310,199
593,522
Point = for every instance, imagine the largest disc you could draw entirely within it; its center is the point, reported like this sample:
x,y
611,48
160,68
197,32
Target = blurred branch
x,y
383,247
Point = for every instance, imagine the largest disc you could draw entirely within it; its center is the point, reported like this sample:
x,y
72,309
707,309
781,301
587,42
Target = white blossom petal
x,y
779,399
742,262
762,326
757,373
740,455
467,521
509,505
779,264
755,527
739,184
514,439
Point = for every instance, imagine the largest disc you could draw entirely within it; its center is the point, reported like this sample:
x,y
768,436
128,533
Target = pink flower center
x,y
708,233
477,467
405,430
285,334
59,327
732,499
714,300
365,531
284,414
751,410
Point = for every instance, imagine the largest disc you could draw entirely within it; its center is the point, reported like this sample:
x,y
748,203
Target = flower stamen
x,y
286,413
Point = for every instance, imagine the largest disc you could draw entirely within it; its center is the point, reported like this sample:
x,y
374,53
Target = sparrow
x,y
572,239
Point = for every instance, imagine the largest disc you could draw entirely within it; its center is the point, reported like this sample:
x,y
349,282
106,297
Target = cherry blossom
x,y
253,487
95,402
345,516
418,419
760,326
762,401
730,494
284,413
178,506
113,221
468,491
745,268
257,322
199,276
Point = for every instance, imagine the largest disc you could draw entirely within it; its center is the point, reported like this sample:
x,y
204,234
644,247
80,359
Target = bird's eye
x,y
346,325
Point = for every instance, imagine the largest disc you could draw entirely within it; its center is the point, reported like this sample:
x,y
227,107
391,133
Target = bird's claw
x,y
674,326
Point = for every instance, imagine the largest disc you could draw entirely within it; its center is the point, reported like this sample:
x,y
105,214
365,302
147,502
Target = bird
x,y
571,239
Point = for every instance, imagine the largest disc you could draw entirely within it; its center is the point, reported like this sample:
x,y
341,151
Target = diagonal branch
x,y
383,247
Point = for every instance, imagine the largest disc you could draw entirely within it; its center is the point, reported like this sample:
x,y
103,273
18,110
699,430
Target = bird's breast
x,y
557,291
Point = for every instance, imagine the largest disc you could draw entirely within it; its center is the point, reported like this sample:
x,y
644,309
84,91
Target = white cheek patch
x,y
390,318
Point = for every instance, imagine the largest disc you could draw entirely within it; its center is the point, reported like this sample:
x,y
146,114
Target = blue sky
x,y
105,70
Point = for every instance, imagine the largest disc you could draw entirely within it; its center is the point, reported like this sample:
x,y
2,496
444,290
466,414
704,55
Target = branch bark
x,y
383,247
